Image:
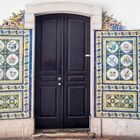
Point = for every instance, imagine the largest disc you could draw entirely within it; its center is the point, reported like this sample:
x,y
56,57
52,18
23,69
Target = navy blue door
x,y
62,71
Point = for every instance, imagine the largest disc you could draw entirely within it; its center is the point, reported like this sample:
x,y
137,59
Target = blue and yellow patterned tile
x,y
120,63
120,101
15,73
117,70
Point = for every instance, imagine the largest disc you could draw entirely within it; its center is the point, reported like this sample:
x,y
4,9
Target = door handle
x,y
87,55
59,84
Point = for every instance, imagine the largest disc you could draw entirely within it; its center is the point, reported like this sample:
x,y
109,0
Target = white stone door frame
x,y
95,14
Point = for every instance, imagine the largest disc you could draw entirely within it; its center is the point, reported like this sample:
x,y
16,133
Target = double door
x,y
62,66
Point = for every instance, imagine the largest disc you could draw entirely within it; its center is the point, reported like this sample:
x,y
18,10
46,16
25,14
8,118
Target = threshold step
x,y
64,133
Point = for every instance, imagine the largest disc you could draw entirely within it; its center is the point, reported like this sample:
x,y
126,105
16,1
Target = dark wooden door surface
x,y
62,71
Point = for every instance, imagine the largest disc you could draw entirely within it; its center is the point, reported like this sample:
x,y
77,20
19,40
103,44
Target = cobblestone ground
x,y
118,138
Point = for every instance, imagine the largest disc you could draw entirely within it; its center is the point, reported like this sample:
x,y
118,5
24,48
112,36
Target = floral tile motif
x,y
119,101
117,78
11,59
15,21
110,23
11,101
120,63
15,73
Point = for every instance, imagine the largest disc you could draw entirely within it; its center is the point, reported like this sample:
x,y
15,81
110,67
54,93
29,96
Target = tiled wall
x,y
15,73
117,79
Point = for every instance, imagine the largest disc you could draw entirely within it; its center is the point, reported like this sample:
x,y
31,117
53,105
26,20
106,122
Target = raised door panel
x,y
49,45
48,102
76,104
76,45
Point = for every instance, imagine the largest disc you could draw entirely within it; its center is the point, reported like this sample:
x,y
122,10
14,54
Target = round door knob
x,y
59,84
59,78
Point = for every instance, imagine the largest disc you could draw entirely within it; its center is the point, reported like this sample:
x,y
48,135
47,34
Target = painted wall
x,y
124,10
7,8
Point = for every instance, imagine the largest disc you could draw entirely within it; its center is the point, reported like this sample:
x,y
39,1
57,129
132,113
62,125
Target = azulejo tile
x,y
120,63
117,78
15,73
120,101
11,101
11,56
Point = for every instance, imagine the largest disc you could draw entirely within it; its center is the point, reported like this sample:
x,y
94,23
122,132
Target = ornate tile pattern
x,y
10,101
110,23
117,79
11,59
15,73
119,101
15,21
120,65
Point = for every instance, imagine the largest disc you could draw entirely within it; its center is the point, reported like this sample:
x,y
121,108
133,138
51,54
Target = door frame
x,y
95,14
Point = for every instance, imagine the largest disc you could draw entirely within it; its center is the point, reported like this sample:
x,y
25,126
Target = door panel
x,y
76,72
62,71
75,45
76,78
49,38
76,101
49,99
48,96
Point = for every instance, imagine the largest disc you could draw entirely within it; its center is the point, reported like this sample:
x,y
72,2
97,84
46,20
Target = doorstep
x,y
64,133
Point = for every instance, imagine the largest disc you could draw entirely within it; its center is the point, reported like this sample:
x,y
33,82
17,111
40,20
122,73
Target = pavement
x,y
42,138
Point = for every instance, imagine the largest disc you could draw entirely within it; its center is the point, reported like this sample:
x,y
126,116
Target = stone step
x,y
64,133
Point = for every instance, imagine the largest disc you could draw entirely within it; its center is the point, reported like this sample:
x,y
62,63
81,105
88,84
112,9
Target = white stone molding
x,y
95,14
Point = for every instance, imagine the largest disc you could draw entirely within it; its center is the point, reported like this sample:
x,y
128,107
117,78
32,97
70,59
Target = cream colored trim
x,y
95,14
